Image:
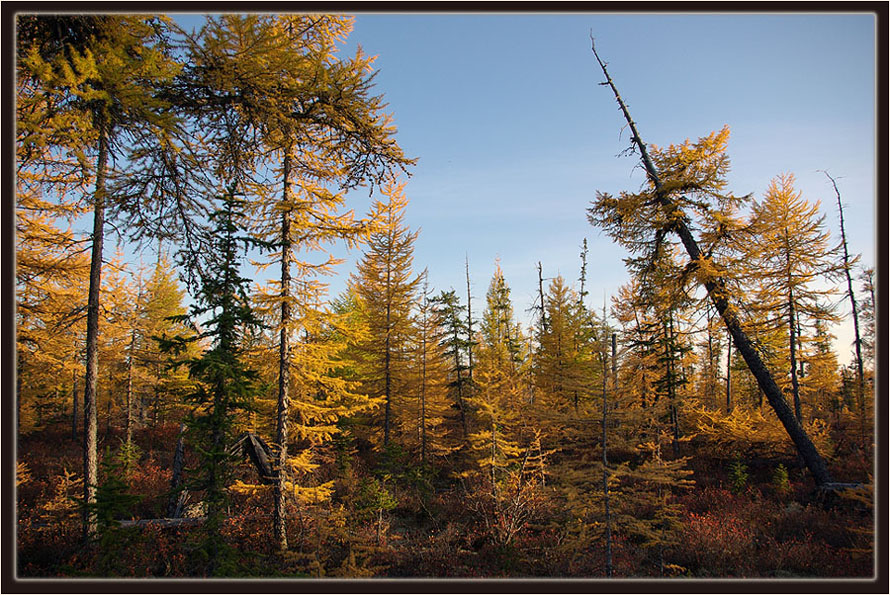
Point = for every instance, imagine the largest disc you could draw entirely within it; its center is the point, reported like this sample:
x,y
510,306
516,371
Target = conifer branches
x,y
632,219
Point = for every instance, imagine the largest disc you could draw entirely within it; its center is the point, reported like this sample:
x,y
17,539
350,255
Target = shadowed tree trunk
x,y
717,291
90,410
177,493
74,405
729,374
284,360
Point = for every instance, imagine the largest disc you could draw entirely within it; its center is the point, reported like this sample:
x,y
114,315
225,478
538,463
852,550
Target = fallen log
x,y
164,523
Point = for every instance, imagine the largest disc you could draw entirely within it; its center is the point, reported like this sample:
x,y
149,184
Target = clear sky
x,y
514,135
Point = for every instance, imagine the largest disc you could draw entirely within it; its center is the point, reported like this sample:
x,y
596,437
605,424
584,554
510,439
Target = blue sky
x,y
514,135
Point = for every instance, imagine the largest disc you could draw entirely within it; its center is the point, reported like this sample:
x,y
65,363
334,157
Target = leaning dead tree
x,y
663,197
248,444
848,263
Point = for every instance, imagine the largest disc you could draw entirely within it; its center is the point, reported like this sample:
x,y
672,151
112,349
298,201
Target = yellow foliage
x,y
63,504
864,494
311,495
753,428
302,463
22,473
247,489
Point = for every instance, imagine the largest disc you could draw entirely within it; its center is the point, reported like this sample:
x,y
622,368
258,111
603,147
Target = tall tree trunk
x,y
469,326
90,409
672,386
387,357
129,395
460,386
860,374
605,459
541,297
493,453
729,373
284,363
709,387
795,384
423,397
74,404
792,335
424,327
583,277
717,291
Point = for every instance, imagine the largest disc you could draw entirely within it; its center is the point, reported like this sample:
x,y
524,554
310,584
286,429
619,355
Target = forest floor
x,y
753,531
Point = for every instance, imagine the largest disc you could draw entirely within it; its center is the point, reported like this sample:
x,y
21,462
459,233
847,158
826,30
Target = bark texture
x,y
90,410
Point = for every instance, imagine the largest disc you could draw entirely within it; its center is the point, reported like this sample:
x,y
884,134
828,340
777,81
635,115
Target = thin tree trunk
x,y
709,387
177,493
793,334
74,405
716,288
729,373
129,395
469,326
460,385
795,384
284,363
605,459
860,374
423,374
90,410
387,361
672,387
494,483
543,321
156,402
583,277
423,405
541,297
850,292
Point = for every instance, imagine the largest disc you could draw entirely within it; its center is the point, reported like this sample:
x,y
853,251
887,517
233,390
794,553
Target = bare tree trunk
x,y
541,297
716,288
129,395
543,322
90,409
583,278
469,326
605,459
860,374
284,363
